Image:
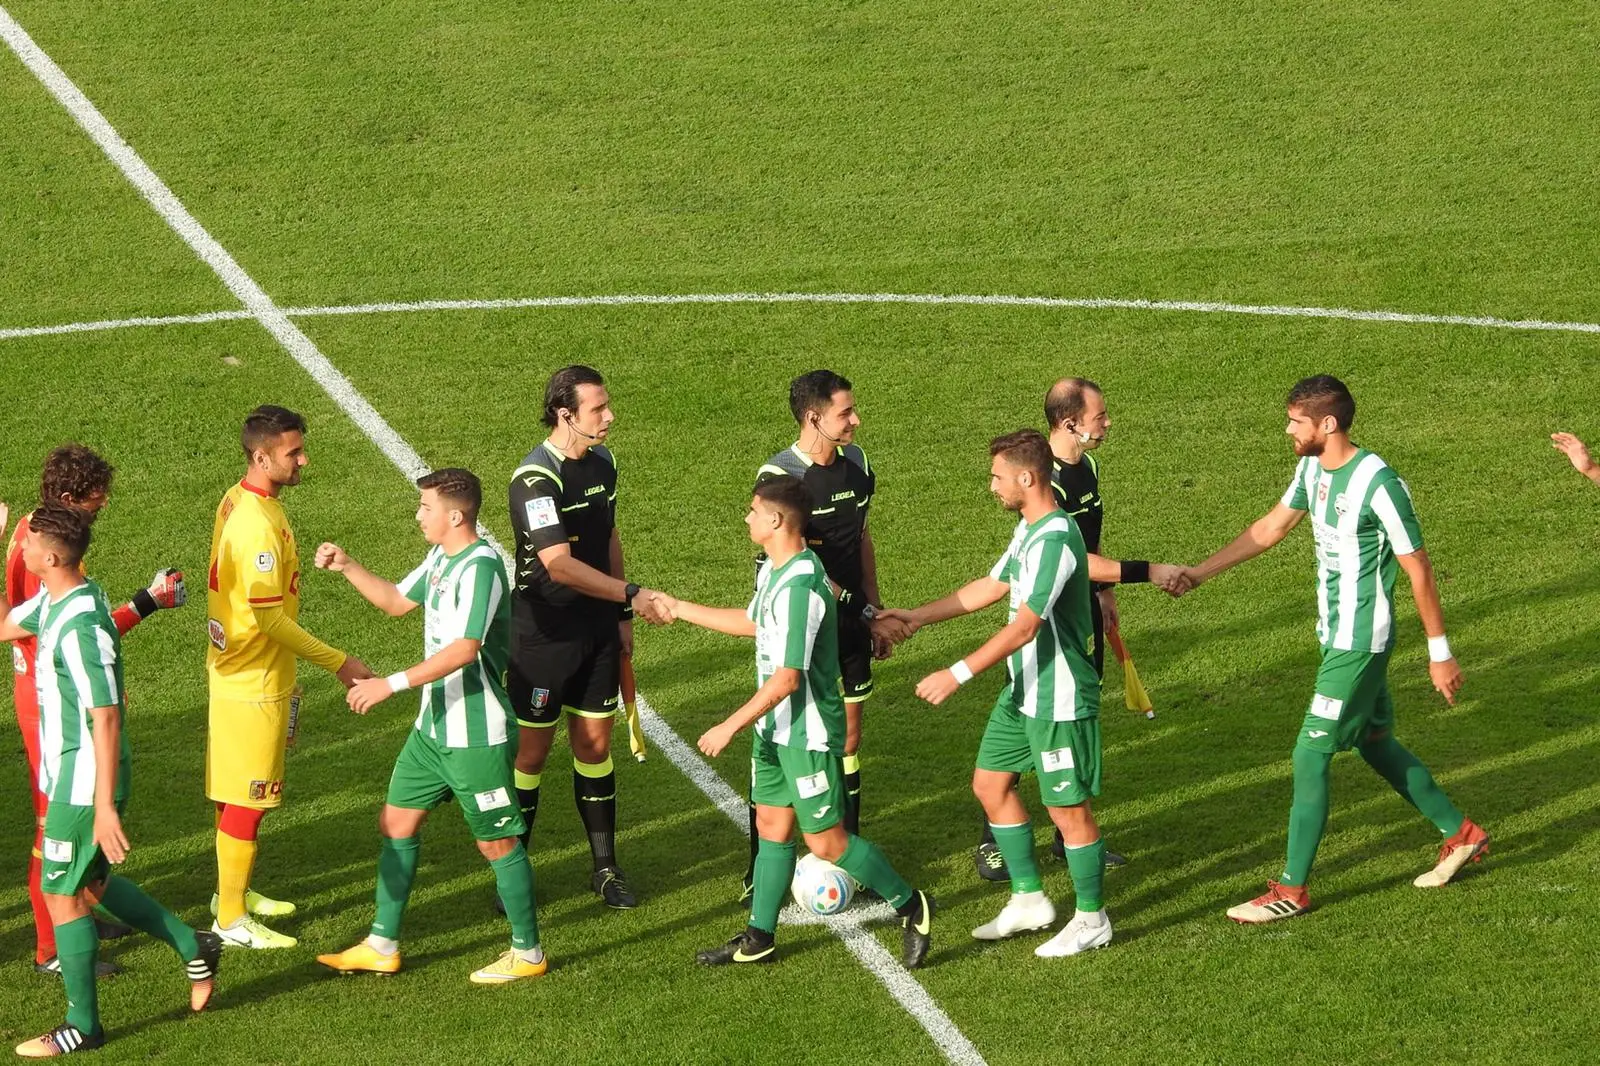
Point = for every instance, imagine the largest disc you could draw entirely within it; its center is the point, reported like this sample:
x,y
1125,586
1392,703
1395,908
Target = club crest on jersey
x,y
541,698
266,562
219,639
1341,503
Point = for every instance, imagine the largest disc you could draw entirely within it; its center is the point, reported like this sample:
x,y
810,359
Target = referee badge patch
x,y
492,800
542,512
19,662
811,786
57,850
1059,759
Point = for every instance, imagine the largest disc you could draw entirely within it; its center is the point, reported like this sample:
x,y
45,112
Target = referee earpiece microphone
x,y
816,424
574,427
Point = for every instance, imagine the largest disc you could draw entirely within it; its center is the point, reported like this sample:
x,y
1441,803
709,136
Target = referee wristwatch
x,y
868,613
629,591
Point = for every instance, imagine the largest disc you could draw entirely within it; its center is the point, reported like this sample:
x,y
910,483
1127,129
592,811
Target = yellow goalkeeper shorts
x,y
245,744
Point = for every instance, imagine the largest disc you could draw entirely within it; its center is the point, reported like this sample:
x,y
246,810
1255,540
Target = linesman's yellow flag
x,y
1133,692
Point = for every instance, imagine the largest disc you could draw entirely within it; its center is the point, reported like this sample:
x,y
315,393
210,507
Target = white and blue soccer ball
x,y
821,887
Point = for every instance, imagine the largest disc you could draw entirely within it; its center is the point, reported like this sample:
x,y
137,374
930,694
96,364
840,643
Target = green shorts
x,y
72,860
812,782
1351,702
427,773
1064,755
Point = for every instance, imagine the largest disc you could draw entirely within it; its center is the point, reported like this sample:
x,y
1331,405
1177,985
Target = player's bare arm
x,y
973,596
1578,454
108,832
383,594
784,682
1014,635
729,620
457,655
1442,665
1262,534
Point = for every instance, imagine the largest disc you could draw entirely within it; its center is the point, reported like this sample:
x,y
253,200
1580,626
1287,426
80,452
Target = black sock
x,y
852,799
596,796
528,801
761,937
755,844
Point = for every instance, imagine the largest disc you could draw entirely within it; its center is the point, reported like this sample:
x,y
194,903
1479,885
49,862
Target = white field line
x,y
899,982
993,300
925,299
124,323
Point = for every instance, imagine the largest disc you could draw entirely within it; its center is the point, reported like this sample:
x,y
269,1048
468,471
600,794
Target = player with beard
x,y
253,603
1363,525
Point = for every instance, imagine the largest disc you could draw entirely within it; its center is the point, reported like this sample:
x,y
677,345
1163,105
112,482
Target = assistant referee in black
x,y
572,612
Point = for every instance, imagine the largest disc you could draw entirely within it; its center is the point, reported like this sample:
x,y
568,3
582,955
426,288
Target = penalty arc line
x,y
1347,314
905,990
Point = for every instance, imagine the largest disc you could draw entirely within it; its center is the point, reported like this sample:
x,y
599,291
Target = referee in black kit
x,y
841,484
572,612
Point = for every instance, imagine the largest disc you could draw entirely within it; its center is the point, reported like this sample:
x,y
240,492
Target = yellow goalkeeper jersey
x,y
255,565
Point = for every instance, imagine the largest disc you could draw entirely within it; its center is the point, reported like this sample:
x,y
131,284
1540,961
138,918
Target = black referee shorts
x,y
855,658
582,673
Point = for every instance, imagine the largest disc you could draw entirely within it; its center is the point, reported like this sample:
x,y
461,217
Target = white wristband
x,y
398,682
961,672
1439,649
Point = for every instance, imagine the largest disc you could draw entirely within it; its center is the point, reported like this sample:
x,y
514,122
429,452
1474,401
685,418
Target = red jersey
x,y
22,586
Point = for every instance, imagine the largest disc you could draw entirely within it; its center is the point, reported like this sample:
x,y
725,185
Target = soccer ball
x,y
821,887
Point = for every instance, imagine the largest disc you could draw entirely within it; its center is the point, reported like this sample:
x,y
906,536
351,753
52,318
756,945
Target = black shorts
x,y
855,658
582,673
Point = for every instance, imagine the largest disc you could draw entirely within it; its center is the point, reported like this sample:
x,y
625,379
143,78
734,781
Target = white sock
x,y
382,944
534,954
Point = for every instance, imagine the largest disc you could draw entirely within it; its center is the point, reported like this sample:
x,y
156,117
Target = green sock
x,y
513,876
397,866
774,870
1016,846
865,861
1308,817
1087,864
1406,774
77,947
131,904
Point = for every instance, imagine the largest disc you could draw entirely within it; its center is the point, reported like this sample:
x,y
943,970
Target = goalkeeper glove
x,y
165,591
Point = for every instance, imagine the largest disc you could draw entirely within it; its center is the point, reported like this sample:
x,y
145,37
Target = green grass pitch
x,y
1358,155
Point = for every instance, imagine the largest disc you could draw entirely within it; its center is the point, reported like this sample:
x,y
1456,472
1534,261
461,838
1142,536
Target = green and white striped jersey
x,y
794,613
465,596
1052,676
79,668
1361,518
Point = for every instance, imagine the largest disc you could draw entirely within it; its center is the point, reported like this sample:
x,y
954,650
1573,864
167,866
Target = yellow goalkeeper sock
x,y
235,860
